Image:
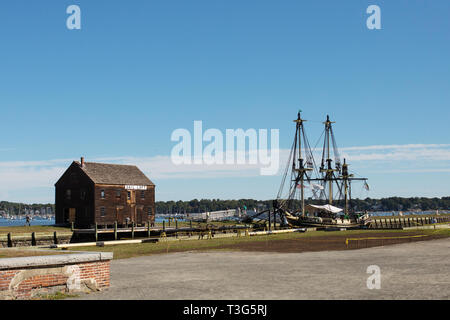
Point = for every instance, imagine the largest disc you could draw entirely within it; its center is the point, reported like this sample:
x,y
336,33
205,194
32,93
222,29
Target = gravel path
x,y
419,270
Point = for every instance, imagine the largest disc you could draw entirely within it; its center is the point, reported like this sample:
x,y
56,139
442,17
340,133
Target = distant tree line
x,y
369,204
204,205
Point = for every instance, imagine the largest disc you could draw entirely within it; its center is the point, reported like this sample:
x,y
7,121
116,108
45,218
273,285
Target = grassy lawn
x,y
134,250
30,229
16,253
55,296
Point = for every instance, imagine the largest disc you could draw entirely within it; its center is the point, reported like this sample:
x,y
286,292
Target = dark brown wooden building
x,y
89,193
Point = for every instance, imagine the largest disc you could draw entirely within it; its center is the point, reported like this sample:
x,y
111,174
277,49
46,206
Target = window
x,y
128,195
73,178
118,194
102,194
68,194
142,194
102,211
82,194
149,211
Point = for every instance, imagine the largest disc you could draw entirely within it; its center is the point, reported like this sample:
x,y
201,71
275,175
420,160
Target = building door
x,y
120,215
131,201
133,213
140,214
72,214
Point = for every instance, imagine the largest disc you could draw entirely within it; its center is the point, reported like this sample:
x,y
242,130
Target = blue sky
x,y
137,70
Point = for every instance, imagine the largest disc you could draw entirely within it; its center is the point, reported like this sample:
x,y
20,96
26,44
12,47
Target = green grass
x,y
56,296
123,251
17,253
30,229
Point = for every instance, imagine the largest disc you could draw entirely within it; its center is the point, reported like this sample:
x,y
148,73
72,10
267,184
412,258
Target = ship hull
x,y
319,222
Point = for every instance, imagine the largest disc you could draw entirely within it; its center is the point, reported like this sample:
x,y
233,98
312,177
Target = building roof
x,y
104,173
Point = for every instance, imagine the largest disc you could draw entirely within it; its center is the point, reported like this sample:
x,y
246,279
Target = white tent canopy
x,y
327,208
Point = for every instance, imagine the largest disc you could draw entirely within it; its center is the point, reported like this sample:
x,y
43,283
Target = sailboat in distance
x,y
328,184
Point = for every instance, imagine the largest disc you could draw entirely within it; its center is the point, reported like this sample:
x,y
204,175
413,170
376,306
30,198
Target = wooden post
x,y
55,238
169,222
72,226
33,238
96,232
115,230
10,244
176,227
190,223
274,220
148,228
270,227
164,225
132,230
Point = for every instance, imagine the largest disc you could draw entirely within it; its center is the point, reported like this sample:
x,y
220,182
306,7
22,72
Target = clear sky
x,y
115,90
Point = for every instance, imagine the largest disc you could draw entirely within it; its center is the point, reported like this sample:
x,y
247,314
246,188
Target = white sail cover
x,y
326,207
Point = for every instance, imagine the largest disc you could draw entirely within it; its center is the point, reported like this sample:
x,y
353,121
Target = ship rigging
x,y
331,176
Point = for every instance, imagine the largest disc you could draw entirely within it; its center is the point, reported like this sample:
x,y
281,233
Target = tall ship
x,y
329,185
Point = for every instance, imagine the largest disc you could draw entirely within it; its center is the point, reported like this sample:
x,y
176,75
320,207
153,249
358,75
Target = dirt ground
x,y
416,270
330,243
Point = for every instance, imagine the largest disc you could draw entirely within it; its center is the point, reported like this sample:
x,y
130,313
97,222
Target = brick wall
x,y
29,282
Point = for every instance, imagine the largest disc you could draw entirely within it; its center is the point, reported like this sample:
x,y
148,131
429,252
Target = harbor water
x,y
22,222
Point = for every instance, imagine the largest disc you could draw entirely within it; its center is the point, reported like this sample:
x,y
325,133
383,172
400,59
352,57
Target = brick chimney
x,y
82,162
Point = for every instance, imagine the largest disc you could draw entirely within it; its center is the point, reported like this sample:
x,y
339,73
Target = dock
x,y
150,231
408,222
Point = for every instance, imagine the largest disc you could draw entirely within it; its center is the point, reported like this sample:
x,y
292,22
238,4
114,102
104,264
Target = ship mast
x,y
300,168
327,168
346,181
301,163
